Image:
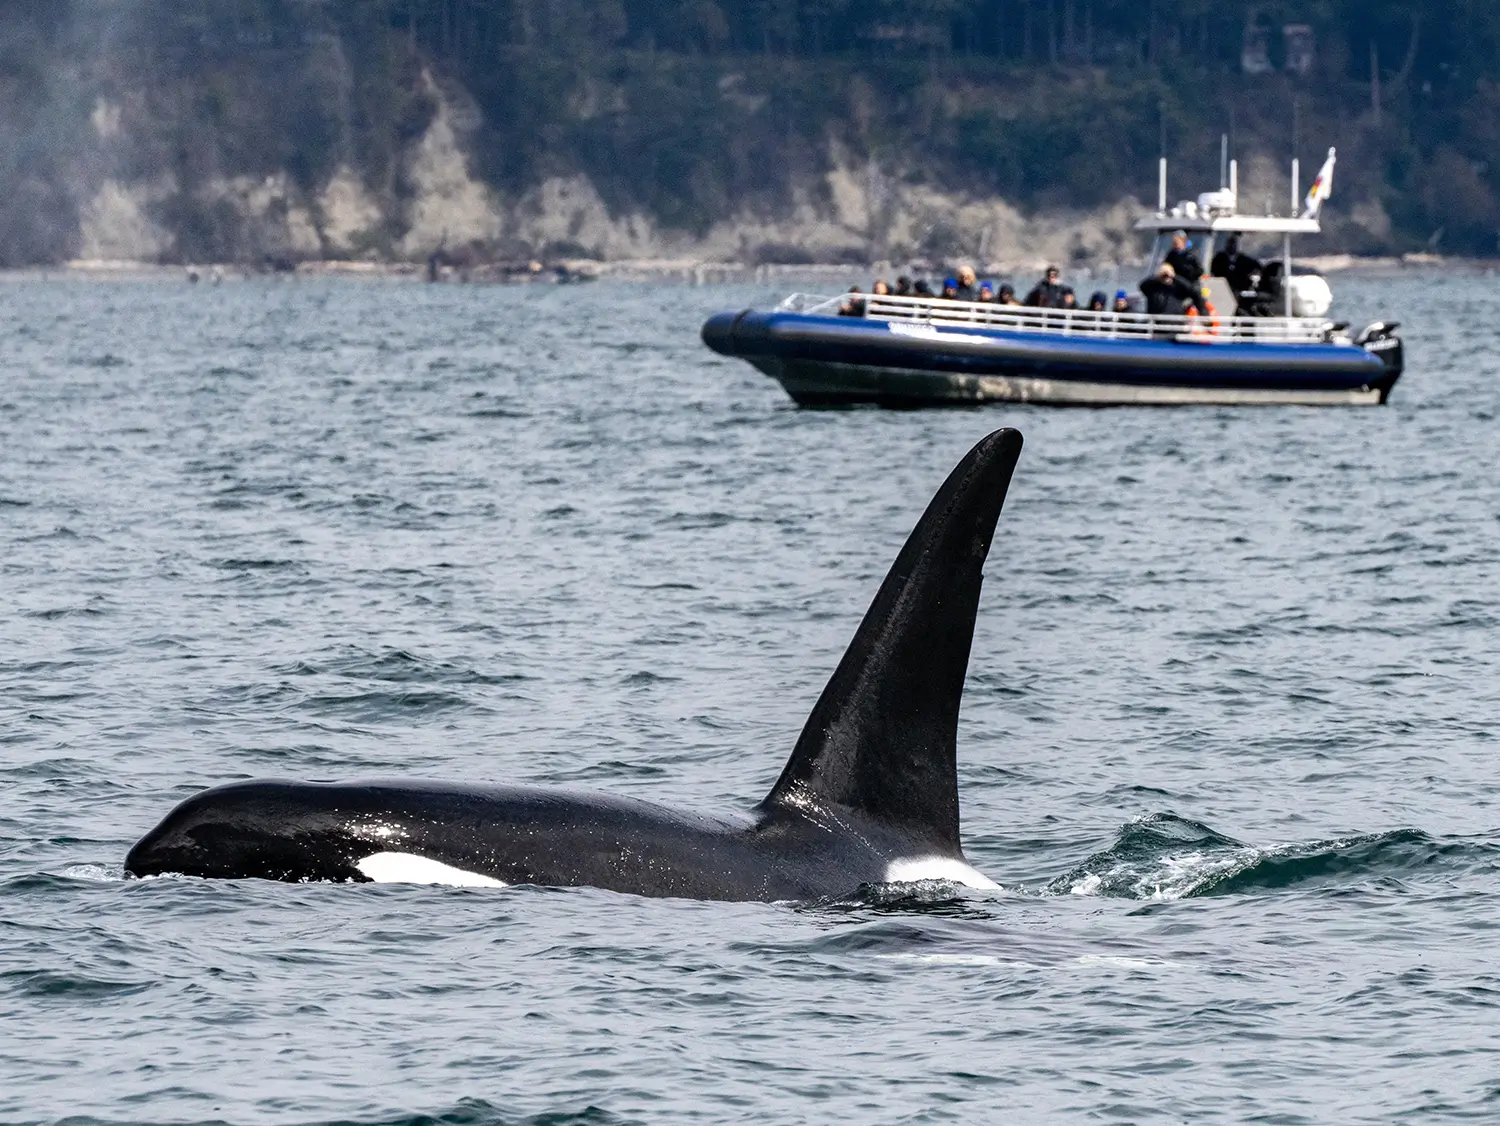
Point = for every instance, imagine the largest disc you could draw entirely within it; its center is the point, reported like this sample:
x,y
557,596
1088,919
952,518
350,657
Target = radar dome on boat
x,y
1214,204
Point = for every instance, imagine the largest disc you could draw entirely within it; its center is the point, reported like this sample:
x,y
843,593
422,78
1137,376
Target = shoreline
x,y
657,271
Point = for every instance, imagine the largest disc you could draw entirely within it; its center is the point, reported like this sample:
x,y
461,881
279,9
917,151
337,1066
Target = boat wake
x,y
1162,856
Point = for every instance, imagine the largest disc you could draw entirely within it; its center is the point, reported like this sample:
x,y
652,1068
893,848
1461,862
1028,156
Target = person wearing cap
x,y
1122,301
1099,302
986,292
950,289
1049,292
1185,264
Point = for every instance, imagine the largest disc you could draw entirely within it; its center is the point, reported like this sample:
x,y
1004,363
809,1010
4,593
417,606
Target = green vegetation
x,y
694,110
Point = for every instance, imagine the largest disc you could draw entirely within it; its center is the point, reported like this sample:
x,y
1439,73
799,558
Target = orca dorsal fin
x,y
882,738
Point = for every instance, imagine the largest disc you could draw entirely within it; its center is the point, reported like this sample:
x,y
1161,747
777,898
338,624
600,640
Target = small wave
x,y
697,521
921,897
60,612
1163,856
47,983
395,666
478,1112
646,676
247,564
107,360
466,1112
382,705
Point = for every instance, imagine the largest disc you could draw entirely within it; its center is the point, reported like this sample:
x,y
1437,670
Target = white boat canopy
x,y
1245,224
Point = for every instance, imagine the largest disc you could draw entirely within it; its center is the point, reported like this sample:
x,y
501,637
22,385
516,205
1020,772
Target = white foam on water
x,y
1118,961
958,960
405,868
916,869
98,872
1171,878
1088,885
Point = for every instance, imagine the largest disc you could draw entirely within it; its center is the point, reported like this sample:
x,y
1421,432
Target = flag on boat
x,y
1321,188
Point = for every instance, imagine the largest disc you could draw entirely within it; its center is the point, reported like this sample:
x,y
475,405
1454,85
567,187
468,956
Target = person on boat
x,y
1098,303
852,306
1048,293
920,288
1069,299
1166,294
881,288
986,293
950,289
1239,269
1122,302
1185,264
968,284
903,286
1006,295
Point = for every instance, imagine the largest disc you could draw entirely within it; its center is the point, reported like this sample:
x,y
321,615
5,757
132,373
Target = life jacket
x,y
1197,327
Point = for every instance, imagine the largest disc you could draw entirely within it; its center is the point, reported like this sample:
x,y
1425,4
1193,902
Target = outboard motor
x,y
1379,338
1311,296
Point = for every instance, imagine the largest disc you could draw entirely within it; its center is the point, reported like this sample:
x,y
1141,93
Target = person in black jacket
x,y
1185,264
1238,269
968,284
1049,292
1166,293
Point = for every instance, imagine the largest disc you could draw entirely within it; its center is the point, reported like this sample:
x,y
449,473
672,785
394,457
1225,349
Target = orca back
x,y
882,739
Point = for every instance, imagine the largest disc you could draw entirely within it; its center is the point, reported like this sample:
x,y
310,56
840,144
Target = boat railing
x,y
939,312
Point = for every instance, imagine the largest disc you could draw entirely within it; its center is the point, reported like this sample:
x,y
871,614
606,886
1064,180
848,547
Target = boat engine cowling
x,y
1311,296
1379,339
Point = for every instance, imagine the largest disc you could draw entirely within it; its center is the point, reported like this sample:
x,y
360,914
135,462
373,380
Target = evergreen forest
x,y
693,110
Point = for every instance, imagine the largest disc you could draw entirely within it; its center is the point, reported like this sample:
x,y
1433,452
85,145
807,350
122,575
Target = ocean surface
x,y
1230,741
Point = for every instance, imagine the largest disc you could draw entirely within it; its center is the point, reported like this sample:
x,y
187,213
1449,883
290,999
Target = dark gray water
x,y
1229,739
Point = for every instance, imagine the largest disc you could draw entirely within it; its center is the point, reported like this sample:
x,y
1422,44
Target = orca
x,y
869,795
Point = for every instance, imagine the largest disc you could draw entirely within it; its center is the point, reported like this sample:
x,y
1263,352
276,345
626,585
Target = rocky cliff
x,y
135,130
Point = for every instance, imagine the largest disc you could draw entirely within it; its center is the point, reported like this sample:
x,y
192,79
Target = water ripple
x,y
1228,741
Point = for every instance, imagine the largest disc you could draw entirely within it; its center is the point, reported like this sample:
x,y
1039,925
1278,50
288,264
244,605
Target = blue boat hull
x,y
830,361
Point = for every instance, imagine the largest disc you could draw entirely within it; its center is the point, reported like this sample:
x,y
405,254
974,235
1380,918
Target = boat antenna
x,y
1223,161
1161,169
